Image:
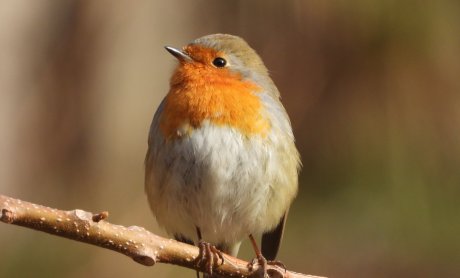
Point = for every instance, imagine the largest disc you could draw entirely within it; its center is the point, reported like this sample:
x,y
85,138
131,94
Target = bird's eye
x,y
219,62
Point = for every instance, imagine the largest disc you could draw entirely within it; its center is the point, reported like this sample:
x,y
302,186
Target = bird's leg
x,y
209,255
260,260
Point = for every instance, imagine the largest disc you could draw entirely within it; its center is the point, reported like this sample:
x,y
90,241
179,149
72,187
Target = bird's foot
x,y
209,257
263,270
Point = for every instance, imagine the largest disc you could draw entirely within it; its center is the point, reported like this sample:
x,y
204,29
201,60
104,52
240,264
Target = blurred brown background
x,y
372,88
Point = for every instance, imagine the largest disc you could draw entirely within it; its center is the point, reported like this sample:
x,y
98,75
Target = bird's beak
x,y
180,55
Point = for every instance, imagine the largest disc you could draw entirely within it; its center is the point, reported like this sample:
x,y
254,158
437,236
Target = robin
x,y
221,163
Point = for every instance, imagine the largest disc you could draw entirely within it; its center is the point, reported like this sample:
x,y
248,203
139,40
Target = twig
x,y
136,242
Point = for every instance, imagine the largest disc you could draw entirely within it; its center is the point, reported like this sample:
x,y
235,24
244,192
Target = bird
x,y
221,164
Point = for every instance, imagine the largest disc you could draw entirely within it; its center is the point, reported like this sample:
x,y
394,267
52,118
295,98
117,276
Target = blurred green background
x,y
372,88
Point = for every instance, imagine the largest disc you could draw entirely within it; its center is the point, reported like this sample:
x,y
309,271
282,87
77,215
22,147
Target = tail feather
x,y
271,240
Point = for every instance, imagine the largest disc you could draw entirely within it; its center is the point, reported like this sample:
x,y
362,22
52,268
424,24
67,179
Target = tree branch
x,y
136,242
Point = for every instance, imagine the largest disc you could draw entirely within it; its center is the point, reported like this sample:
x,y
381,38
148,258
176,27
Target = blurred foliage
x,y
372,89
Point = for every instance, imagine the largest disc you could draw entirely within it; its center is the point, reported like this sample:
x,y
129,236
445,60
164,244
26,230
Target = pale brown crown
x,y
243,59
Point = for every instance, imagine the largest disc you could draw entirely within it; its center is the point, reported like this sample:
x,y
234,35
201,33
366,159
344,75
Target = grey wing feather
x,y
271,240
155,122
154,142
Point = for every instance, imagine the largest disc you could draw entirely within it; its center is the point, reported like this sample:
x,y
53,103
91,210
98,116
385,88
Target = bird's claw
x,y
209,257
278,264
263,263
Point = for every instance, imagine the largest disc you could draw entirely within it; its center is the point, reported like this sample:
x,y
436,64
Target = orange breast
x,y
199,92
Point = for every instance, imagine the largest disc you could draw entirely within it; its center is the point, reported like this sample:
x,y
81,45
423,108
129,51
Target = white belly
x,y
221,181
